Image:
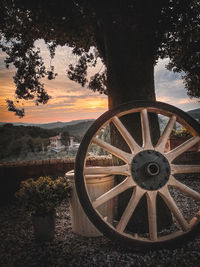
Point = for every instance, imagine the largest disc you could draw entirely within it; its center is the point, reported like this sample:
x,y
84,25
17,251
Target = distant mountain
x,y
52,125
19,124
62,124
20,140
195,113
78,129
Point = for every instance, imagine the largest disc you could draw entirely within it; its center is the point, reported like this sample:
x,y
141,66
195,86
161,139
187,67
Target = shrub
x,y
43,195
180,133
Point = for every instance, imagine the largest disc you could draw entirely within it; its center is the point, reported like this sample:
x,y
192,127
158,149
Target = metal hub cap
x,y
150,169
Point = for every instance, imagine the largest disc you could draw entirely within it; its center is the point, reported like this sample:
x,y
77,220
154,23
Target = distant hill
x,y
51,125
62,124
79,129
195,113
18,140
76,128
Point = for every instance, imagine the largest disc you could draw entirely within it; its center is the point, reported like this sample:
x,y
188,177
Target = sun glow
x,y
92,103
72,102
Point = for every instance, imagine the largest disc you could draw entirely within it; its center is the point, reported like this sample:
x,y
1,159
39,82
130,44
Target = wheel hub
x,y
150,169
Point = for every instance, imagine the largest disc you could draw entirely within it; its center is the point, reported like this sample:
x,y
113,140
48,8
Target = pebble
x,y
19,248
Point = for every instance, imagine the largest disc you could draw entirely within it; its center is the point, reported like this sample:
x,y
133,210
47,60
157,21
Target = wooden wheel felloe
x,y
149,171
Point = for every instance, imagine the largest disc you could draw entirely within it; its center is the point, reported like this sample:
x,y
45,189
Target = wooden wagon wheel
x,y
148,170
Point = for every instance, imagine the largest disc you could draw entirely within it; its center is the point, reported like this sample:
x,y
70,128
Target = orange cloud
x,y
69,100
92,103
72,102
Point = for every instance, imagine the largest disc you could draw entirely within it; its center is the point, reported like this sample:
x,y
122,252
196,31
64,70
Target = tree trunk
x,y
130,76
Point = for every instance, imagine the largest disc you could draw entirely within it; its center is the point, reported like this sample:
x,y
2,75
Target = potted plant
x,y
40,197
177,137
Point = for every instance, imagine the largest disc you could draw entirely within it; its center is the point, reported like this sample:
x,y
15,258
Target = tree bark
x,y
130,76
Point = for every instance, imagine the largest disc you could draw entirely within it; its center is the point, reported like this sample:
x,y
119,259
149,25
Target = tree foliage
x,y
170,27
16,140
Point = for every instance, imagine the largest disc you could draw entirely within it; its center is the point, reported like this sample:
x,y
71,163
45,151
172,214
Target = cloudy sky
x,y
72,102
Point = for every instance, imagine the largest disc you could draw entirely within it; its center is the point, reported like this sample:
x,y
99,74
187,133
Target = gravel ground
x,y
19,248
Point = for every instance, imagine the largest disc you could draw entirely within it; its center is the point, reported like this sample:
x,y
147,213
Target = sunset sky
x,y
72,102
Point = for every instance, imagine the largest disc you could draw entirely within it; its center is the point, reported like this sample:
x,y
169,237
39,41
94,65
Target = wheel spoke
x,y
146,135
135,148
160,146
185,168
113,150
182,148
124,185
152,215
184,189
123,170
133,202
164,193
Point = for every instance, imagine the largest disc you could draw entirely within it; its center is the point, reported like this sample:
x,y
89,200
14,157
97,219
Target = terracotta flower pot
x,y
44,226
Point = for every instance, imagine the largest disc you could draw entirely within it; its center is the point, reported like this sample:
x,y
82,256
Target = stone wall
x,y
11,174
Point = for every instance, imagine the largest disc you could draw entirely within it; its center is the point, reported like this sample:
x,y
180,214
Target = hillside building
x,y
56,144
72,143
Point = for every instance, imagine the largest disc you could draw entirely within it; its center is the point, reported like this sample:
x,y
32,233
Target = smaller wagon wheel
x,y
148,170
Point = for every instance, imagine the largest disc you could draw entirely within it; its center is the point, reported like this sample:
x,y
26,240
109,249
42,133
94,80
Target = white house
x,y
55,143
